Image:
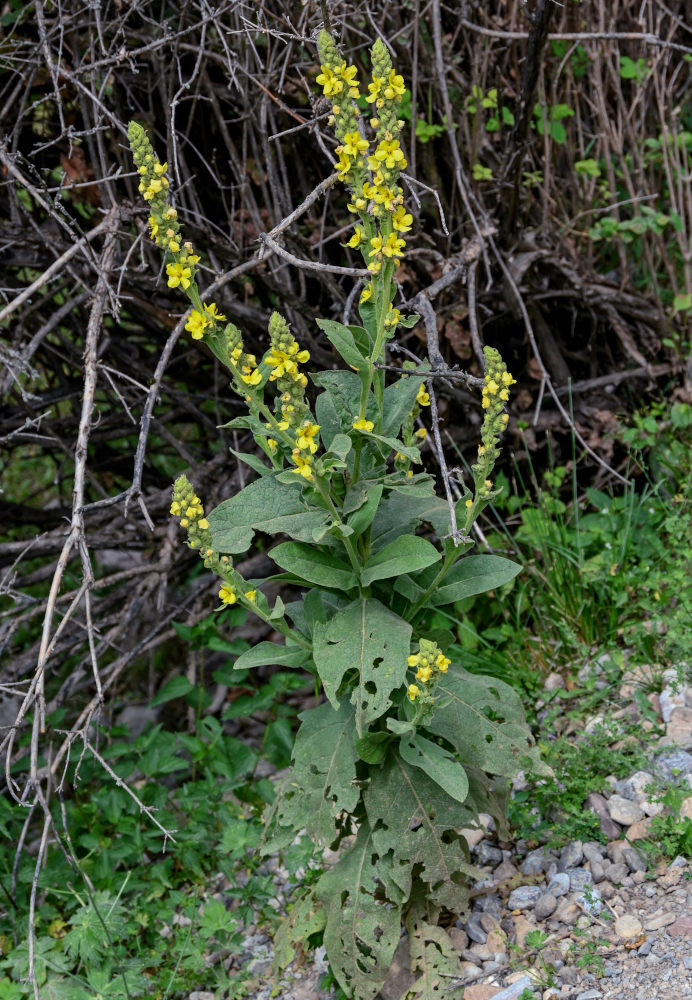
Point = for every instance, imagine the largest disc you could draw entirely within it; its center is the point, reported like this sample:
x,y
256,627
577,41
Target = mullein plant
x,y
407,748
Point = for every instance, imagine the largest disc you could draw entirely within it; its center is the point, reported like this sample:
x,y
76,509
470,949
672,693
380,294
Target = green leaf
x,y
340,446
438,764
272,654
483,719
393,444
369,638
372,748
305,917
401,513
176,687
265,505
472,575
254,461
412,817
321,785
434,957
398,401
362,932
362,518
404,555
337,407
343,340
314,565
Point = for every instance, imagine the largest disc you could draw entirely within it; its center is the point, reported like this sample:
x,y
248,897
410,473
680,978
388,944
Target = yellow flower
x,y
342,165
330,83
203,523
491,387
504,395
354,144
481,450
303,463
366,293
153,226
175,508
393,247
423,674
272,444
178,275
306,439
402,220
212,311
375,87
363,425
442,663
160,168
388,153
196,325
250,375
485,403
395,86
228,595
348,75
421,433
413,692
422,397
251,595
507,379
376,244
414,660
356,239
469,503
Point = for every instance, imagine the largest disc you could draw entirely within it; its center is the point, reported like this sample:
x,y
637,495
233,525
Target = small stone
x,y
645,948
614,851
638,877
488,923
554,682
686,808
505,870
524,897
681,716
567,912
472,835
599,804
592,901
522,926
481,991
474,929
593,851
635,786
607,890
569,975
489,855
519,982
687,962
545,905
571,855
639,830
633,859
618,873
559,884
677,735
579,878
597,871
479,953
674,763
656,921
201,995
589,995
534,863
623,811
458,938
682,926
469,970
627,926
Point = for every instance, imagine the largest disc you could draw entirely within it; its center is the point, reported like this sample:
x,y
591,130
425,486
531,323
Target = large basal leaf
x,y
361,933
313,565
434,957
483,719
414,818
404,555
306,917
370,638
265,505
320,785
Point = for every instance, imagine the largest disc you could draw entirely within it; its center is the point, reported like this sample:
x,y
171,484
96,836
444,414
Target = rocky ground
x,y
613,926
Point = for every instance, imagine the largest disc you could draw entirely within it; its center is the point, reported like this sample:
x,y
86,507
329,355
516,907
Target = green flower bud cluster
x,y
163,221
409,435
188,507
284,357
495,394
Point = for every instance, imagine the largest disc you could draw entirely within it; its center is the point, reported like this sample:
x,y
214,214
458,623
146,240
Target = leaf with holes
x,y
321,785
483,719
362,931
369,638
412,817
434,957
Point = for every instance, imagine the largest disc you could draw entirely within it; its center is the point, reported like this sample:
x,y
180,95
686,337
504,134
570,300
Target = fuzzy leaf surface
x,y
412,817
483,719
272,654
404,555
265,505
434,957
399,398
437,763
401,513
369,637
320,784
361,933
474,575
306,917
313,565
